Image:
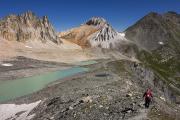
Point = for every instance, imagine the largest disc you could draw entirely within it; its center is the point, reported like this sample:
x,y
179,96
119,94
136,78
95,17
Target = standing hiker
x,y
147,97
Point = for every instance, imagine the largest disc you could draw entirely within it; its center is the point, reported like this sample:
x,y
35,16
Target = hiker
x,y
147,97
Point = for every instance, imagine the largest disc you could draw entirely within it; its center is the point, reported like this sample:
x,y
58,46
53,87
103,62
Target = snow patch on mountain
x,y
122,34
97,21
161,43
108,43
7,64
28,46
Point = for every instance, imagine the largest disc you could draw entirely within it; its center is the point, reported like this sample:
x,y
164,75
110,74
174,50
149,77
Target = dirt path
x,y
141,116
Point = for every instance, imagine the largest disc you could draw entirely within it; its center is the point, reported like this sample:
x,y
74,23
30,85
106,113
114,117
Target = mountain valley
x,y
118,68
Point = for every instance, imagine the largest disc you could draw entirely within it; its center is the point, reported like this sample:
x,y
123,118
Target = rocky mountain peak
x,y
45,19
27,26
158,33
106,33
97,21
151,17
173,17
152,14
171,13
28,15
106,36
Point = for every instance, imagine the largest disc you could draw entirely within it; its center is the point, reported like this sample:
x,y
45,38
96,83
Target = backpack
x,y
148,94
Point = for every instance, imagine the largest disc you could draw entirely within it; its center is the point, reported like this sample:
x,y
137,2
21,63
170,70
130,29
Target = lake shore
x,y
25,67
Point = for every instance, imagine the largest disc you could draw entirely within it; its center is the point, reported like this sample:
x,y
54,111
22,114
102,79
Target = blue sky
x,y
65,14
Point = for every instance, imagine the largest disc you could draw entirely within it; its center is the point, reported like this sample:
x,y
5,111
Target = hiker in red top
x,y
148,97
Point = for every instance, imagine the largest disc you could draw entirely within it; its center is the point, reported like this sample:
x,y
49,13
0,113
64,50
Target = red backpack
x,y
149,93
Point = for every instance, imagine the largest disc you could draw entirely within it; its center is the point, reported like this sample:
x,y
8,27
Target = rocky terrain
x,y
145,55
110,90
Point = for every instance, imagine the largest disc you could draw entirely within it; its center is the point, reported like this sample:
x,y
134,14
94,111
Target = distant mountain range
x,y
150,33
155,34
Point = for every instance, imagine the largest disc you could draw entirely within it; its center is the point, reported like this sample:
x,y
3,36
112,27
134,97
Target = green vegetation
x,y
165,70
118,65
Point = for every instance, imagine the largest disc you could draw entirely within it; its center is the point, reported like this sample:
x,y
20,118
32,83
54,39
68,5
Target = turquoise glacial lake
x,y
11,89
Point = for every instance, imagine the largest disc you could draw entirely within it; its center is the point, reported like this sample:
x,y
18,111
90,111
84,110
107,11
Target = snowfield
x,y
17,112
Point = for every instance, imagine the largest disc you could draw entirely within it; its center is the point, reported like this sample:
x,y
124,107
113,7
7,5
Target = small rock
x,y
128,111
100,106
138,97
105,114
52,118
162,98
129,83
141,104
133,104
129,95
87,99
71,108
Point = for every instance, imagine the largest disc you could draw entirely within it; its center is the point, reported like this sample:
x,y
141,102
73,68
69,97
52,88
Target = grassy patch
x,y
118,67
165,69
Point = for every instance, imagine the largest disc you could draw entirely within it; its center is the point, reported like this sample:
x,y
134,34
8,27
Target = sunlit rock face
x,y
26,27
106,36
96,32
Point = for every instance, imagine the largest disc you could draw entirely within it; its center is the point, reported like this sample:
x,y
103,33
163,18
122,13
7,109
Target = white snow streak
x,y
108,43
122,34
7,64
28,46
161,43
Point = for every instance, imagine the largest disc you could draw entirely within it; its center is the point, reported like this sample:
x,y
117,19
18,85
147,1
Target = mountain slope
x,y
79,35
155,29
159,35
